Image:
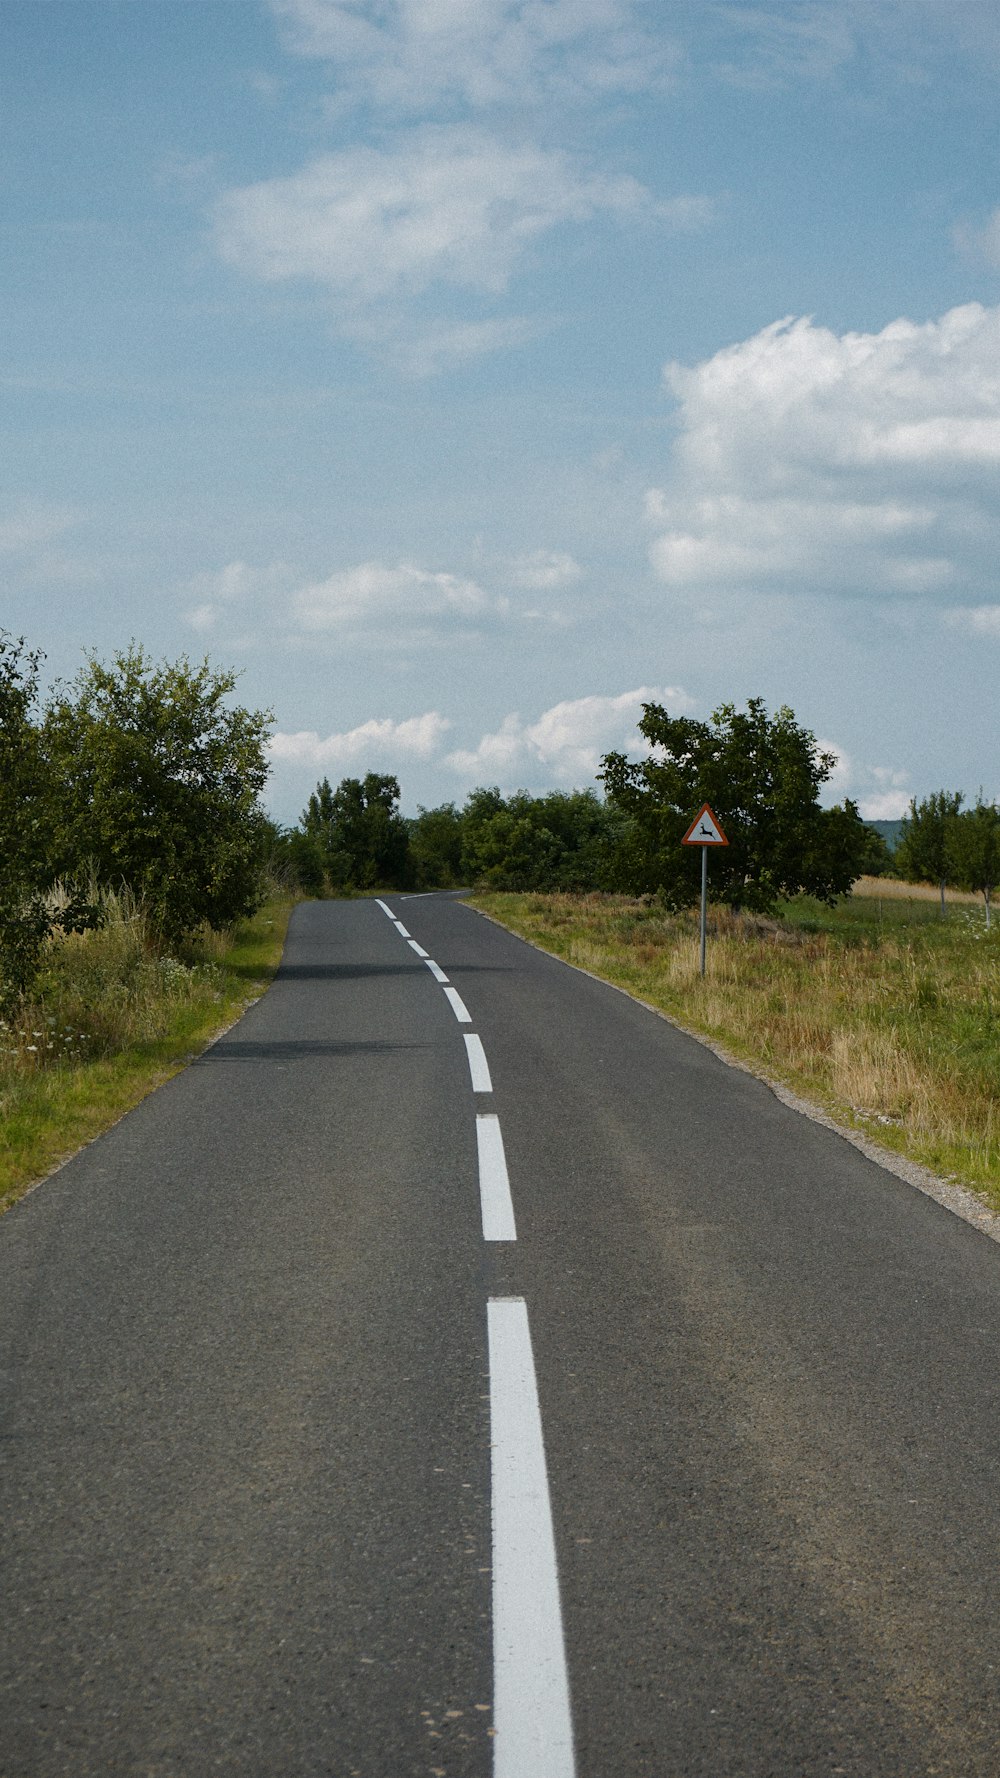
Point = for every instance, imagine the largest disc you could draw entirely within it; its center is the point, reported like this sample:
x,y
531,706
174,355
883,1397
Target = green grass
x,y
877,1009
112,1019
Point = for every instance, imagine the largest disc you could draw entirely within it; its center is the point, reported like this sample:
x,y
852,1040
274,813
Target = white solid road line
x,y
531,1709
400,928
494,1184
436,971
458,1006
418,948
479,1068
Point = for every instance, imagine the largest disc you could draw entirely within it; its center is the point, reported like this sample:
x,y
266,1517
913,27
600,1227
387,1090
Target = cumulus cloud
x,y
414,54
379,741
446,205
372,593
862,463
565,744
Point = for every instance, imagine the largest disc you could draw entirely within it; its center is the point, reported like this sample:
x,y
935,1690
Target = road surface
x,y
473,1375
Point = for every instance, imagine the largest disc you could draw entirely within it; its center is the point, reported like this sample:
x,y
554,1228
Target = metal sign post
x,y
704,831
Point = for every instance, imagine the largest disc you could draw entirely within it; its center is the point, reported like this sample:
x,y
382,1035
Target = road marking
x,y
458,1006
531,1709
400,928
494,1185
479,1068
436,971
418,948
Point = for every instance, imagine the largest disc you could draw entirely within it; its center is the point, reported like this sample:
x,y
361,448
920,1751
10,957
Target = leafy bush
x,y
761,774
155,783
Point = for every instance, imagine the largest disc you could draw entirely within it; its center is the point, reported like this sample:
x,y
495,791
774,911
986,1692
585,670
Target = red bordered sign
x,y
704,830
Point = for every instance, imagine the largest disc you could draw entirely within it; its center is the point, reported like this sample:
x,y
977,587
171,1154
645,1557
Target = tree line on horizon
x,y
147,776
760,773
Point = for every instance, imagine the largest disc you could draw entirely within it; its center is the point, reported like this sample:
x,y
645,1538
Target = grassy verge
x,y
112,1019
878,1010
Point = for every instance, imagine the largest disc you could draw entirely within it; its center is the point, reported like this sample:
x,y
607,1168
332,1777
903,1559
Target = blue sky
x,y
464,374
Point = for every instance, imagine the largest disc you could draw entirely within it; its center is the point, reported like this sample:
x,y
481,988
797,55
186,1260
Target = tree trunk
x,y
942,897
987,892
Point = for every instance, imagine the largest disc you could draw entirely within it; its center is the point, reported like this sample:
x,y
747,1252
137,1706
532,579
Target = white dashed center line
x,y
418,948
479,1068
436,971
531,1709
385,908
494,1184
458,1006
400,928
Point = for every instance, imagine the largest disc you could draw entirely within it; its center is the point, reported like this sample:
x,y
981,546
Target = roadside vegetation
x,y
875,1008
144,895
112,1014
138,909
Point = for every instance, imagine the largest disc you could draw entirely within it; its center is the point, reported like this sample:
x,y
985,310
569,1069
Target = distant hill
x,y
891,831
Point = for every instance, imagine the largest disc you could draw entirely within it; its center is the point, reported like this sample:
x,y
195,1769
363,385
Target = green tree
x,y
361,834
878,860
923,854
27,914
24,779
561,841
158,781
436,847
293,860
973,848
761,774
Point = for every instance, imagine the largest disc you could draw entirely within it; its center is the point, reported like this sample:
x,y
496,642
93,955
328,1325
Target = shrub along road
x,y
275,1498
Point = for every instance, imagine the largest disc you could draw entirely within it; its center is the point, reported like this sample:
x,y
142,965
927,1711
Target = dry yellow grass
x,y
890,889
893,1026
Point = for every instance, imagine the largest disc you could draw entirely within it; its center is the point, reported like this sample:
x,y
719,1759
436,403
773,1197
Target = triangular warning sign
x,y
704,830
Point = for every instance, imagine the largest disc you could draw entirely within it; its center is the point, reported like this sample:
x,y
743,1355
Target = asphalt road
x,y
269,1502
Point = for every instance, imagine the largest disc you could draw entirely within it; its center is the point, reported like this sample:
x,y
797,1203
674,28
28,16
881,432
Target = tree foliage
x,y
435,841
972,845
924,851
560,841
761,774
156,783
28,915
360,834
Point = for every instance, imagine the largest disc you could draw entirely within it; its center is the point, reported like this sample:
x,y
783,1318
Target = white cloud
x,y
218,590
981,620
542,570
860,463
880,792
201,617
380,741
31,526
416,54
423,351
771,45
885,805
447,205
565,744
35,540
373,594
